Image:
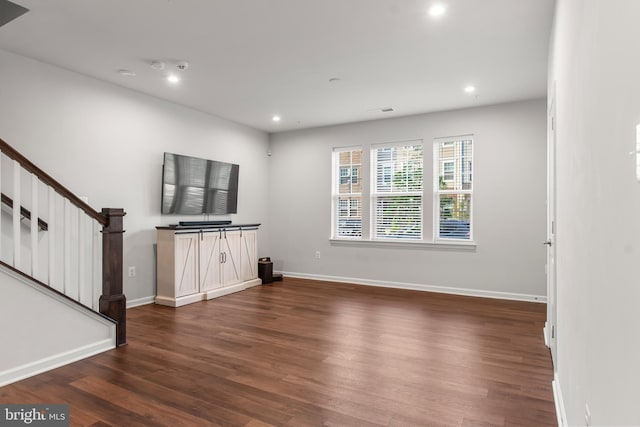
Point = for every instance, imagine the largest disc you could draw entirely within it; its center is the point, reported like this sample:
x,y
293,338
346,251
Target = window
x,y
347,192
447,170
348,175
396,196
453,187
344,175
379,194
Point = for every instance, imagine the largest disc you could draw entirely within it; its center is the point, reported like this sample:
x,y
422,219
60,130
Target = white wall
x,y
107,143
42,331
509,204
595,67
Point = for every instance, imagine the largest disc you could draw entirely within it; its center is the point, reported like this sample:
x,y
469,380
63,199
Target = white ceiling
x,y
251,59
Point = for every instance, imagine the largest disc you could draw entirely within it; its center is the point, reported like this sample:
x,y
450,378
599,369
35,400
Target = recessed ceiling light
x,y
470,89
437,9
275,118
172,78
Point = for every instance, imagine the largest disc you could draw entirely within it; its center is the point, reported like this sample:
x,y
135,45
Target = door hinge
x,y
553,331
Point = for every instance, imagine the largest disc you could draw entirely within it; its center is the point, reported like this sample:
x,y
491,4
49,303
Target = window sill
x,y
466,246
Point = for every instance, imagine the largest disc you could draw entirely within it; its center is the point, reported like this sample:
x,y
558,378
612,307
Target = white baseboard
x,y
140,301
559,403
545,330
420,287
39,366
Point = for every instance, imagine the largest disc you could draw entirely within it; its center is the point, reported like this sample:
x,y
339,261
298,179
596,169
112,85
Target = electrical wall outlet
x,y
317,254
132,271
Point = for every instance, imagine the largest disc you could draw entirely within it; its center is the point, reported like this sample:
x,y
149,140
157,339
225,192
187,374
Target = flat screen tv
x,y
192,186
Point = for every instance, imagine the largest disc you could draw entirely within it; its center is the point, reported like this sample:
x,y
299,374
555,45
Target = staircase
x,y
60,272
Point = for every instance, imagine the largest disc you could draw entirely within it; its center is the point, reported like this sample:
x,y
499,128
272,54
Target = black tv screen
x,y
192,186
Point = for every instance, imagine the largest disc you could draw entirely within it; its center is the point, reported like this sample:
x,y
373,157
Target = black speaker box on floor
x,y
265,270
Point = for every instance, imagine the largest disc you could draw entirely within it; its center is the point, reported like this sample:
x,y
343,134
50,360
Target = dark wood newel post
x,y
112,301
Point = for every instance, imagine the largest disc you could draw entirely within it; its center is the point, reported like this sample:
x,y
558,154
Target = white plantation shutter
x,y
397,190
347,192
453,187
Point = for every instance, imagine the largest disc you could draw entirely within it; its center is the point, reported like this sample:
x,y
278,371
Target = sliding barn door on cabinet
x,y
186,269
230,257
210,260
249,255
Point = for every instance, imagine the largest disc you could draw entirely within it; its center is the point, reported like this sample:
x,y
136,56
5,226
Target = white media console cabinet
x,y
204,262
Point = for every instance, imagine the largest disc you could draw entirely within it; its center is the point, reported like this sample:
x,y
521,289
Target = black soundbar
x,y
203,223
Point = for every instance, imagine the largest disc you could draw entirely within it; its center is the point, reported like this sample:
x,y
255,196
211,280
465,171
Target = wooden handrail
x,y
10,152
24,212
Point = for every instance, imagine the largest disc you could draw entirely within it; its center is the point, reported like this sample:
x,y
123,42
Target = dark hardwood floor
x,y
310,353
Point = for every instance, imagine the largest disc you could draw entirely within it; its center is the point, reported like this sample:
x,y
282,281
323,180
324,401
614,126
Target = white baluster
x,y
96,283
82,282
66,249
51,234
16,215
34,225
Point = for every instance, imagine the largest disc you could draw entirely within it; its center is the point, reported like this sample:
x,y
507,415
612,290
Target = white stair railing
x,y
41,238
55,237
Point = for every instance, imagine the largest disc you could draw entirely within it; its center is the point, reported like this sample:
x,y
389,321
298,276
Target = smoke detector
x,y
182,65
157,65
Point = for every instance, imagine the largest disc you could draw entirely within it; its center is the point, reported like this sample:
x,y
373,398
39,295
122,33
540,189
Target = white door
x,y
552,327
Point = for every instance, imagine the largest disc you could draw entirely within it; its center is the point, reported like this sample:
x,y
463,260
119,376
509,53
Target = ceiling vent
x,y
10,11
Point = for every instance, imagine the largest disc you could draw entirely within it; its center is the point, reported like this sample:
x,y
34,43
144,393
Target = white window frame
x,y
336,206
438,192
376,194
430,214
